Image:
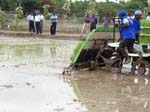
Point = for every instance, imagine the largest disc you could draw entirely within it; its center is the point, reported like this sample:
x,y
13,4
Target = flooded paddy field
x,y
102,91
31,81
30,76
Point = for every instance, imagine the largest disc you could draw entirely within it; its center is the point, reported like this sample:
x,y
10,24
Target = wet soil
x,y
99,90
59,35
30,75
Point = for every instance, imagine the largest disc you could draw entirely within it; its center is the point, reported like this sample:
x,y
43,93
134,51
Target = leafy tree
x,y
146,10
18,16
45,9
79,8
31,5
5,19
2,15
66,8
58,6
110,9
91,7
7,5
134,5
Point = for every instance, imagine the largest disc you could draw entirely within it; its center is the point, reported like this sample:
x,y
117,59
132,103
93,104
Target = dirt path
x,y
59,35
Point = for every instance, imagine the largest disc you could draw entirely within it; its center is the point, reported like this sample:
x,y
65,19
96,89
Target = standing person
x,y
86,24
42,20
131,15
137,24
117,21
148,16
38,23
54,19
106,21
93,22
127,35
30,18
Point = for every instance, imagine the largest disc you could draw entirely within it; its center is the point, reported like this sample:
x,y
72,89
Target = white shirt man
x,y
42,19
37,18
30,18
38,23
54,19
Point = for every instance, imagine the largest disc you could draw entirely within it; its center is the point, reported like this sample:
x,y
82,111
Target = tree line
x,y
77,8
64,8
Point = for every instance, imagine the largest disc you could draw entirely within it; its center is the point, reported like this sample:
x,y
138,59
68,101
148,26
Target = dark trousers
x,y
31,26
92,26
137,37
38,27
53,28
41,26
128,43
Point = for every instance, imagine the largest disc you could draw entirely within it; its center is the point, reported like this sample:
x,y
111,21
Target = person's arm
x,y
27,17
125,23
56,18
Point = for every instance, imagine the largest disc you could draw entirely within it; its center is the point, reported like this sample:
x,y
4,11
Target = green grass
x,y
145,30
144,38
145,34
145,23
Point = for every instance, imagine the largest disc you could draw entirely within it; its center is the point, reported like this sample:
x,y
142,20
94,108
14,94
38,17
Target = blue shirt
x,y
137,25
127,32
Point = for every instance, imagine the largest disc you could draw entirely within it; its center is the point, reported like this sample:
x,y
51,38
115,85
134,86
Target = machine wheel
x,y
141,67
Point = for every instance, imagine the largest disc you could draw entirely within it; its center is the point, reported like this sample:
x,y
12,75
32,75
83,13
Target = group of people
x,y
130,28
89,24
36,23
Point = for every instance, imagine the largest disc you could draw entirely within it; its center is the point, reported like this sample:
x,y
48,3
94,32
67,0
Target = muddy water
x,y
30,80
36,52
112,92
30,76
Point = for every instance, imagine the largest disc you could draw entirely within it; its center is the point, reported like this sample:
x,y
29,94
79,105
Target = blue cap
x,y
122,12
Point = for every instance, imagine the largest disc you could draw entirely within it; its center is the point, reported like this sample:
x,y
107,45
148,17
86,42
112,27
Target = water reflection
x,y
99,90
113,92
29,71
36,52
